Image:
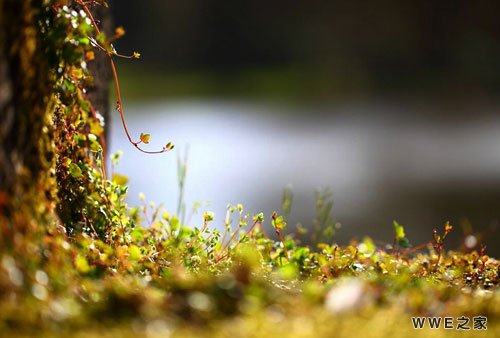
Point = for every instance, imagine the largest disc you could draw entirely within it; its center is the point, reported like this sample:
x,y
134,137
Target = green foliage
x,y
324,224
277,222
75,171
400,236
399,231
175,273
86,199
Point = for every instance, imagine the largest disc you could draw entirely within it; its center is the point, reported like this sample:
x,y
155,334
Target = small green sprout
x,y
259,218
278,223
208,216
439,239
400,239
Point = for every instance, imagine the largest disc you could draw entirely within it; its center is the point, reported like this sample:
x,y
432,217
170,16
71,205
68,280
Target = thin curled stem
x,y
119,103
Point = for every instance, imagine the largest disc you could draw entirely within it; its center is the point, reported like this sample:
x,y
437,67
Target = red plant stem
x,y
205,226
283,241
418,247
89,223
232,238
119,105
251,228
246,233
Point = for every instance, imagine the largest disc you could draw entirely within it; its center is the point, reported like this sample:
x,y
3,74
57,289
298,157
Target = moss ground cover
x,y
173,279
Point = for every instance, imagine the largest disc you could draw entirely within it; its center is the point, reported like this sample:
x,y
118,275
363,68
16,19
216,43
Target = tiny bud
x,y
119,32
259,217
208,216
89,56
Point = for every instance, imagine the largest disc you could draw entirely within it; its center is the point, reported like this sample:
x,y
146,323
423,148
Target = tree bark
x,y
27,182
99,68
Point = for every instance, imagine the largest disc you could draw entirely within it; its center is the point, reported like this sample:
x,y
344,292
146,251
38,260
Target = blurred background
x,y
391,104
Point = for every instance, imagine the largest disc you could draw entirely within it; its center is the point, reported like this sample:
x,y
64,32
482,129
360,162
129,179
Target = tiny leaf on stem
x,y
399,231
278,222
145,138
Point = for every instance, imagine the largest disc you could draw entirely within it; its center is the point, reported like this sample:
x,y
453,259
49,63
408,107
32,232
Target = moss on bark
x,y
27,181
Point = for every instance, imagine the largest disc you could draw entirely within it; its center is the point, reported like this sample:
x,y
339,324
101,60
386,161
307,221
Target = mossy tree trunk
x,y
46,122
27,181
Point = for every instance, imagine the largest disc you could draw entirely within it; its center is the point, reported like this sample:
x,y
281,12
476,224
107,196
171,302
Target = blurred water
x,y
381,164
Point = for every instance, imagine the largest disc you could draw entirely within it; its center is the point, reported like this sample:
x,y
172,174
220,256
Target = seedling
x,y
257,221
400,239
279,224
439,240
